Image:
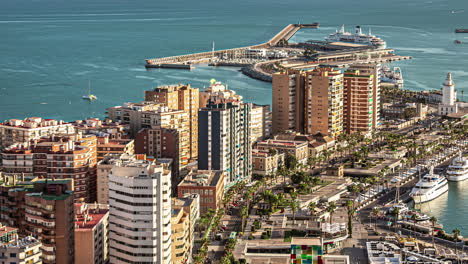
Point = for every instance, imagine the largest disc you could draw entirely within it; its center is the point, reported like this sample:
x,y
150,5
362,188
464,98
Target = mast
x,y
89,87
212,51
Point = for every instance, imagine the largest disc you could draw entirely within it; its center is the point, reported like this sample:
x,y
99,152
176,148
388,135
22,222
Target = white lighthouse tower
x,y
449,97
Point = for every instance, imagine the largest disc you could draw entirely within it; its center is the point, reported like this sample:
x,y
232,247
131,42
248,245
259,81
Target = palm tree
x,y
414,219
456,233
396,212
294,207
331,209
312,206
375,214
244,211
433,220
351,211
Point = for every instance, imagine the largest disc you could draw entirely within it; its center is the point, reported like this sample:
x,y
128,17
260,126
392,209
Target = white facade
x,y
449,97
19,131
21,251
140,213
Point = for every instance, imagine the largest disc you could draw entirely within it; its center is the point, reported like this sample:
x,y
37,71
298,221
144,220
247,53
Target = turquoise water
x,y
49,49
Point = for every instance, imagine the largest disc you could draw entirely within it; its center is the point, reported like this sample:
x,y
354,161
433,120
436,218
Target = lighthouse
x,y
449,97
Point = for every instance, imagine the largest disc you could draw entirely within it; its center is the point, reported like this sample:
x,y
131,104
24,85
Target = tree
x,y
312,206
433,220
331,209
414,219
456,233
351,211
309,53
375,214
396,213
294,207
244,211
290,162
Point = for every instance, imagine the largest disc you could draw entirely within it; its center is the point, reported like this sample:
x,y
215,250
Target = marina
x,y
340,49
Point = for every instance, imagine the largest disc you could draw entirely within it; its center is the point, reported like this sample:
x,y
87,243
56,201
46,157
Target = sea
x,y
52,52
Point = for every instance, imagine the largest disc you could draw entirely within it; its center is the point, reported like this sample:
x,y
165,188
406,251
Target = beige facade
x,y
26,250
260,122
151,115
298,149
308,102
19,131
180,97
107,145
324,102
266,162
190,206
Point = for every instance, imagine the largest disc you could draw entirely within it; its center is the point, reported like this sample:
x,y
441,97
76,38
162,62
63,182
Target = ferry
x,y
394,76
429,187
358,37
458,170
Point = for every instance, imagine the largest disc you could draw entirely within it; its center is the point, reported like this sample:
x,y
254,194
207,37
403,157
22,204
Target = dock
x,y
180,61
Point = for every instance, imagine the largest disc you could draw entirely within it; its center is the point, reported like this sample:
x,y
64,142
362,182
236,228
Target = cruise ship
x,y
358,37
429,187
458,170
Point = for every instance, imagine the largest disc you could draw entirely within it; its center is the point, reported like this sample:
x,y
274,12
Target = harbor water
x,y
50,49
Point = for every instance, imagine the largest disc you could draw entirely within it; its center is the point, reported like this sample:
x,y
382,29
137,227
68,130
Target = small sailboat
x,y
89,97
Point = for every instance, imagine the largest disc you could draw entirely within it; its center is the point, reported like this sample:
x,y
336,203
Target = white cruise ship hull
x,y
457,178
430,195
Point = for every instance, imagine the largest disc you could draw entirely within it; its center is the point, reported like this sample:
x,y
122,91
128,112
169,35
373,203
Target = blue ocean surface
x,y
51,49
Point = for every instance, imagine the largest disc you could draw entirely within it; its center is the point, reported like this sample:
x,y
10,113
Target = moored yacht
x,y
429,187
458,169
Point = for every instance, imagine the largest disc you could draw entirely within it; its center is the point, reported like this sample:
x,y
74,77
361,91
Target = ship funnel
x,y
358,30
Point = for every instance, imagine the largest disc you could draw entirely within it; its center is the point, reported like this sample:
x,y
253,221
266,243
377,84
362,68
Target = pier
x,y
256,59
181,61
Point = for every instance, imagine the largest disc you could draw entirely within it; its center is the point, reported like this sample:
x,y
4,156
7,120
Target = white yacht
x,y
458,170
394,76
358,37
429,187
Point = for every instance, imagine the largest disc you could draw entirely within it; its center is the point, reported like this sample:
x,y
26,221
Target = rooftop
x,y
33,122
202,178
87,216
24,243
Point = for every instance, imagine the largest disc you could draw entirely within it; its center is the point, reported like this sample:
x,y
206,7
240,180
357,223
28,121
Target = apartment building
x,y
375,71
218,93
180,97
308,101
13,189
49,215
91,227
260,122
288,101
18,131
298,149
209,185
140,213
183,228
13,249
108,145
95,126
57,157
323,102
266,162
224,140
